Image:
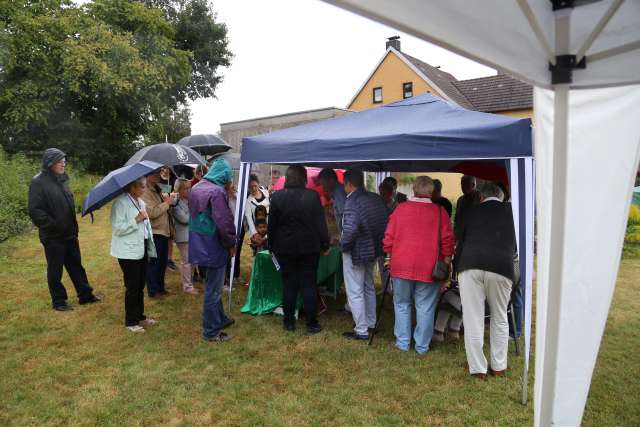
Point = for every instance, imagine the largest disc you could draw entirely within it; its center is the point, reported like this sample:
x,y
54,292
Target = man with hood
x,y
52,210
212,241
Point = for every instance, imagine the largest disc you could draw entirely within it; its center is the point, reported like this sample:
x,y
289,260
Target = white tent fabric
x,y
586,44
575,292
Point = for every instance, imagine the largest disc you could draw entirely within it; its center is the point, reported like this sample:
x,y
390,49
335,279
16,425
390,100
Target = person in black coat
x,y
486,245
297,237
52,210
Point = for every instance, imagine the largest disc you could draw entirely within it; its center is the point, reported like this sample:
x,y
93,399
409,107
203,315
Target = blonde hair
x,y
423,186
180,182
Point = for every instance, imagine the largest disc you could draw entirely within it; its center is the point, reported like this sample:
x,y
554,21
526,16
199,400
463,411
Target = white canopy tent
x,y
584,59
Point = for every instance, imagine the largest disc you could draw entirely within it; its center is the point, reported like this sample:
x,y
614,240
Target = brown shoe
x,y
479,376
497,373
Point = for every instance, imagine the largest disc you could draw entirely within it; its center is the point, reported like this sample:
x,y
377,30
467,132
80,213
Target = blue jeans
x,y
158,266
425,295
213,317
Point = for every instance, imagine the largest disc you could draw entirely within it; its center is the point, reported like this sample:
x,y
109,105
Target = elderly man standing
x,y
158,205
363,225
52,210
417,237
485,251
212,241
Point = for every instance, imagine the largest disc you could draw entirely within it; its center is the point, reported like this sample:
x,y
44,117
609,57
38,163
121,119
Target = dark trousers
x,y
134,272
158,266
65,253
299,273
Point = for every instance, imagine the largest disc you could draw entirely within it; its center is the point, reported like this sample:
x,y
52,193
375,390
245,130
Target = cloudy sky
x,y
293,55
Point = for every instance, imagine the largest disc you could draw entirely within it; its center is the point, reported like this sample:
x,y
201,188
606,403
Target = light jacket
x,y
180,214
158,211
127,235
250,209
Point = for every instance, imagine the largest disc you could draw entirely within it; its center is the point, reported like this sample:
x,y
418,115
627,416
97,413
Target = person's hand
x,y
173,198
232,251
325,252
166,198
142,215
443,288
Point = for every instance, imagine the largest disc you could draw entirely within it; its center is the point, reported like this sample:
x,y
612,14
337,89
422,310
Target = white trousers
x,y
361,294
476,286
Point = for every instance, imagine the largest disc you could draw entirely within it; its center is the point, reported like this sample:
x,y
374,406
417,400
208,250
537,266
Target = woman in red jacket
x,y
411,243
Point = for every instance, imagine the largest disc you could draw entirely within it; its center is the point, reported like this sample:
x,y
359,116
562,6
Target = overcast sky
x,y
294,55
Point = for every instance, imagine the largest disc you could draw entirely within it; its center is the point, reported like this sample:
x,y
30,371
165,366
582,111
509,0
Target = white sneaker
x,y
136,329
148,322
192,291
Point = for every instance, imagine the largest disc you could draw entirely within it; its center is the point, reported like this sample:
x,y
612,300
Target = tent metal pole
x,y
243,182
613,8
537,30
556,256
529,198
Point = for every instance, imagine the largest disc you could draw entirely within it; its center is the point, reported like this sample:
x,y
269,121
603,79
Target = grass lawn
x,y
84,368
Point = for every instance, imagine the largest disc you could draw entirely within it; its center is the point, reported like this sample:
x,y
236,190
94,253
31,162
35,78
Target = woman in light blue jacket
x,y
132,244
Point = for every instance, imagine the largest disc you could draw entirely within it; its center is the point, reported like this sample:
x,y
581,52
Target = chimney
x,y
393,42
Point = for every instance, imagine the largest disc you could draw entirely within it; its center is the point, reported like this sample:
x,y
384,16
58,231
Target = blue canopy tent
x,y
420,134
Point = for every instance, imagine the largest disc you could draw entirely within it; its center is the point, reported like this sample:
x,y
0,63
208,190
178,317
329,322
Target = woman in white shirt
x,y
132,243
258,196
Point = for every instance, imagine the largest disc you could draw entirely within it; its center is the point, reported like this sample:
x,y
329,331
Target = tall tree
x,y
92,79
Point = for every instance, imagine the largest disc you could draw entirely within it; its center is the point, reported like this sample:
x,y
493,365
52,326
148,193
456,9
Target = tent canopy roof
x,y
420,133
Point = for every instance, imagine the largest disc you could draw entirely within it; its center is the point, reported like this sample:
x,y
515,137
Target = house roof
x,y
487,94
496,93
443,81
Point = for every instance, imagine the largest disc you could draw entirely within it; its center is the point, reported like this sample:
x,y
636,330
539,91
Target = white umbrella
x,y
579,55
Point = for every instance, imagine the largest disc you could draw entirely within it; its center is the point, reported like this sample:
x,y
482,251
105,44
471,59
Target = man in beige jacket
x,y
158,205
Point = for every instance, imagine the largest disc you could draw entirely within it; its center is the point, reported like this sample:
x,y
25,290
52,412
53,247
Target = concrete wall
x,y
233,132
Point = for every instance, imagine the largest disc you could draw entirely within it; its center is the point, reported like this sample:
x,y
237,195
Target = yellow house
x,y
398,76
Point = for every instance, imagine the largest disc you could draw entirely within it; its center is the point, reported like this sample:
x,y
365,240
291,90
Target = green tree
x,y
169,125
93,80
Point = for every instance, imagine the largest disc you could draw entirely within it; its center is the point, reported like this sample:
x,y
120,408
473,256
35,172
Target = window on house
x,y
407,90
377,95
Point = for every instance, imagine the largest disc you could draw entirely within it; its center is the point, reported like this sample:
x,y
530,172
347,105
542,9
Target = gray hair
x,y
489,189
180,182
423,186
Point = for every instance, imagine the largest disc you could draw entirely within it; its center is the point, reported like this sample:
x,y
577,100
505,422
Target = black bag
x,y
440,271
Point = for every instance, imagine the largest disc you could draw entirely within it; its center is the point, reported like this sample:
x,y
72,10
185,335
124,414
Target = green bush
x,y
15,175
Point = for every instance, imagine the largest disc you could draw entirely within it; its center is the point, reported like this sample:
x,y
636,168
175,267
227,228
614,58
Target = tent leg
x,y
527,278
243,184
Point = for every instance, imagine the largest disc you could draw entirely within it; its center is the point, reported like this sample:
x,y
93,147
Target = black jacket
x,y
297,223
51,205
487,239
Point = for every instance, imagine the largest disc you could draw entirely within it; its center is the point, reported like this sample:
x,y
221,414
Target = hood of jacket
x,y
50,156
219,173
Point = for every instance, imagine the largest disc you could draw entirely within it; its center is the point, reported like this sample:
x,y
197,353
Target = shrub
x,y
15,175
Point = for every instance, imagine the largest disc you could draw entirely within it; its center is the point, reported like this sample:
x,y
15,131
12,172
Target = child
x,y
449,314
261,229
180,213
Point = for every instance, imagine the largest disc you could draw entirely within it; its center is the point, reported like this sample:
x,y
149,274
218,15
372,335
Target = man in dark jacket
x,y
363,225
485,250
52,210
297,237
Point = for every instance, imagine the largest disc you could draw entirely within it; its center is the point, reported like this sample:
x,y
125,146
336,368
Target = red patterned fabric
x,y
411,239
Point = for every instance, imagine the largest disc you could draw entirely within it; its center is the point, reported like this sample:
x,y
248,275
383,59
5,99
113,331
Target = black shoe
x,y
92,299
171,265
228,323
65,307
354,336
221,337
290,327
314,329
164,293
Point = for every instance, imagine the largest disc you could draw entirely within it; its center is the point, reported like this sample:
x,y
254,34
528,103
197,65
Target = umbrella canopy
x,y
168,155
207,145
111,185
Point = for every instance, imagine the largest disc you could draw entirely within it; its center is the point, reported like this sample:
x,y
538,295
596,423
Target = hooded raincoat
x,y
51,205
211,228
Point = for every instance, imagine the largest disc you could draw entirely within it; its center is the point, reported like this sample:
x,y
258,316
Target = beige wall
x,y
517,113
390,75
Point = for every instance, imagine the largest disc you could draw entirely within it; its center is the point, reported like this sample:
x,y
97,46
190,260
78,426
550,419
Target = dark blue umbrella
x,y
112,185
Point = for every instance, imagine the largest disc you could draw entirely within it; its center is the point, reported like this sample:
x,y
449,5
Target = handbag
x,y
440,271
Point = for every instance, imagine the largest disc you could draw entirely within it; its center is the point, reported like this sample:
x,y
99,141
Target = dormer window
x,y
377,95
407,90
